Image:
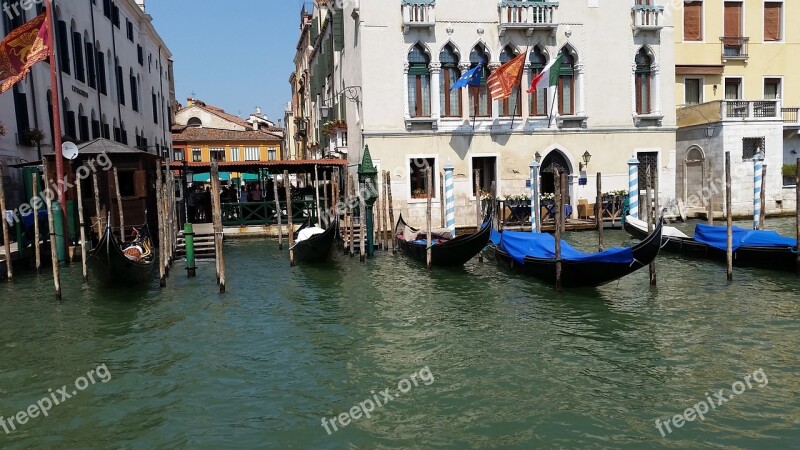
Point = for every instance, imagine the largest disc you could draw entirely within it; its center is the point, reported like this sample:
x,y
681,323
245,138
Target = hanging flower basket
x,y
331,127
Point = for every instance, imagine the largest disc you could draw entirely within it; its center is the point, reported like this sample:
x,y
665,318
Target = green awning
x,y
206,177
250,177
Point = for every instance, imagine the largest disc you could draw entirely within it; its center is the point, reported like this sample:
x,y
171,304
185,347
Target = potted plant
x,y
419,193
789,174
332,126
548,198
32,136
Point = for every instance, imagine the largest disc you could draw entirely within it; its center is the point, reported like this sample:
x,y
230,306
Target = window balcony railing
x,y
647,18
528,15
790,116
750,109
734,48
418,14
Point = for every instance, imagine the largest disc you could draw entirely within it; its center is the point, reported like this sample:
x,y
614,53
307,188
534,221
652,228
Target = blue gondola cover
x,y
717,237
542,245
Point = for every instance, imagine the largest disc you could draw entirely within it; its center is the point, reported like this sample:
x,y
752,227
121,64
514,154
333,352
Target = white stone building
x,y
115,80
613,98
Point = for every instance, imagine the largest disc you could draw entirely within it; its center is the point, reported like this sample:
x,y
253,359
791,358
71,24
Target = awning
x,y
206,177
249,177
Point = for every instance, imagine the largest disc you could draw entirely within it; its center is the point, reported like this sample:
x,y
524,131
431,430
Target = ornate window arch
x,y
480,104
419,82
643,78
450,99
538,99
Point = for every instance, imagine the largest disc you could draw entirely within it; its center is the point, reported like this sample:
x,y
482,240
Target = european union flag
x,y
471,78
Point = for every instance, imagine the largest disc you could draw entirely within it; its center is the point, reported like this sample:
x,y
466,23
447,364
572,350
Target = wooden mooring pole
x,y
391,209
52,231
384,208
216,214
478,206
119,207
352,231
559,217
316,195
729,215
36,234
6,237
441,197
98,213
710,183
598,211
277,210
325,210
428,221
797,211
649,211
82,226
290,232
363,228
162,248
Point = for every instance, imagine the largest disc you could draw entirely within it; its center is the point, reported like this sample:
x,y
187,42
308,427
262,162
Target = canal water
x,y
498,360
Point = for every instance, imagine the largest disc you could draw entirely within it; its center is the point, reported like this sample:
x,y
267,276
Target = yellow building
x,y
737,92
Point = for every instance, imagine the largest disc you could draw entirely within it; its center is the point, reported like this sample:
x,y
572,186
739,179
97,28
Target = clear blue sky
x,y
235,54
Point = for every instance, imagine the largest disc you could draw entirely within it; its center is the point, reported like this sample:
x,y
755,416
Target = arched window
x,y
95,126
91,70
195,122
419,83
566,84
77,53
134,91
509,106
450,100
83,125
538,98
62,44
106,131
69,120
642,79
480,104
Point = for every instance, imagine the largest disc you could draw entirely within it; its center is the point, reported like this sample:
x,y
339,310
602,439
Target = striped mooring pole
x,y
633,187
450,198
758,166
534,166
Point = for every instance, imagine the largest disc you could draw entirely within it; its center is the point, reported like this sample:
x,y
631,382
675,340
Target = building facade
x,y
613,99
736,91
203,132
114,75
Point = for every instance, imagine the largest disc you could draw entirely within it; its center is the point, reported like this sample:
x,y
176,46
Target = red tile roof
x,y
200,134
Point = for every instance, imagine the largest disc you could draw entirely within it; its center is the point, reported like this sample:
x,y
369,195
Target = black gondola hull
x,y
455,252
318,248
778,258
110,266
575,274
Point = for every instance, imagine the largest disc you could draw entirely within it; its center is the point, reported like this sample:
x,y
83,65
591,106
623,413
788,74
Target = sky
x,y
234,54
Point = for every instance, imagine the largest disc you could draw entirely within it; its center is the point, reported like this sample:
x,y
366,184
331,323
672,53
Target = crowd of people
x,y
198,197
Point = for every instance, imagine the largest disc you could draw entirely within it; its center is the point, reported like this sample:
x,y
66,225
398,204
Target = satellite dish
x,y
69,150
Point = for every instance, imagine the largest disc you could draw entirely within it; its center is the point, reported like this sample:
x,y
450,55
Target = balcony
x,y
732,111
647,18
418,14
734,48
528,16
790,117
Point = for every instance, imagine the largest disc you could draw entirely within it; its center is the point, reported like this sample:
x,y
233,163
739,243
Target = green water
x,y
513,365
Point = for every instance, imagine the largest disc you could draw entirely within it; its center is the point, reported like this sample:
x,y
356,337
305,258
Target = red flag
x,y
21,49
503,80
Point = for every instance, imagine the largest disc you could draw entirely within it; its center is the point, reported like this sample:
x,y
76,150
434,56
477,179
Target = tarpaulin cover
x,y
542,245
495,237
717,237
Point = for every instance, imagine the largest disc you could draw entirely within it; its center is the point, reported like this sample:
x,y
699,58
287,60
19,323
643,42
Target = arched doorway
x,y
693,172
553,160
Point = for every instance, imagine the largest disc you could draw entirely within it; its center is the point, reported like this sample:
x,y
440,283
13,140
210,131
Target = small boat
x,y
534,254
445,250
123,263
313,244
764,249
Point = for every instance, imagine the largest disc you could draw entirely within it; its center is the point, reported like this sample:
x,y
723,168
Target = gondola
x,y
533,254
313,245
764,249
446,251
116,263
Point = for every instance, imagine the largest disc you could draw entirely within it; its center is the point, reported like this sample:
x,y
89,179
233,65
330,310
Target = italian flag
x,y
549,75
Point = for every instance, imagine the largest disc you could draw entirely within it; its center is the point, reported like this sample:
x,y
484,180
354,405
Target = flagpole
x,y
475,106
519,89
552,107
55,101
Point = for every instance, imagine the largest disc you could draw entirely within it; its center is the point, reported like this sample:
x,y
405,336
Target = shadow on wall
x,y
460,144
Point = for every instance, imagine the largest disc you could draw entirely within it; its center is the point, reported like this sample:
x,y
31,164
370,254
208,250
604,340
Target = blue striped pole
x,y
450,199
534,166
758,165
633,187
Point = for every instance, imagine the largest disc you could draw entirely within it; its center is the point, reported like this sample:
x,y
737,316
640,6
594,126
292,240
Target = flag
x,y
503,80
549,74
472,77
21,49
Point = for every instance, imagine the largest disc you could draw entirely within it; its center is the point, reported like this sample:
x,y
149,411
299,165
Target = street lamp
x,y
538,157
586,158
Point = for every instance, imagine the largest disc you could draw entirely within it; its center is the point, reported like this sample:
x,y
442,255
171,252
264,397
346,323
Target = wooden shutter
x,y
693,21
733,19
772,21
